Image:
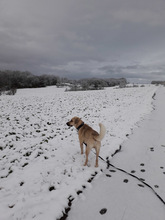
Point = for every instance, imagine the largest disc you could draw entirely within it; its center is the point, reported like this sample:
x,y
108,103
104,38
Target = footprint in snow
x,y
108,175
133,171
141,185
113,171
151,148
103,211
143,170
142,164
125,180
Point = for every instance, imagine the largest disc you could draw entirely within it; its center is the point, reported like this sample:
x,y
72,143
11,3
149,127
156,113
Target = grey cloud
x,y
84,38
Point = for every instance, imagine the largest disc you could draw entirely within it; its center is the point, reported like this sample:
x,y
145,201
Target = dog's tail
x,y
102,132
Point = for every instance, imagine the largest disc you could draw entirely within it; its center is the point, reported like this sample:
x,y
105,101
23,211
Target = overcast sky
x,y
84,38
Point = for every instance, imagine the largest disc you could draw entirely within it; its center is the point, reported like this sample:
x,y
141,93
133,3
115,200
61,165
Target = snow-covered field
x,y
40,161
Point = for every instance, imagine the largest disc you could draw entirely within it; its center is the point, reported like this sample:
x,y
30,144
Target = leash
x,y
130,174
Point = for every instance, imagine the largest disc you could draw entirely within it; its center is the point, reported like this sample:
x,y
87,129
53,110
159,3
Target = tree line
x,y
18,79
12,80
96,83
158,82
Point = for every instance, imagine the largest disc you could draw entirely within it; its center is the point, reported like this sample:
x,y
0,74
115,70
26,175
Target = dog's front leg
x,y
87,153
81,144
81,147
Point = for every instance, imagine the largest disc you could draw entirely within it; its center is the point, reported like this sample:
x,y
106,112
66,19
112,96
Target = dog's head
x,y
75,121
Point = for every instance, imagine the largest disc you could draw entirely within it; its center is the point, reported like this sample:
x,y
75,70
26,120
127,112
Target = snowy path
x,y
121,196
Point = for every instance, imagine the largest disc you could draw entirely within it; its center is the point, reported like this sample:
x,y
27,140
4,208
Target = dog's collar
x,y
80,126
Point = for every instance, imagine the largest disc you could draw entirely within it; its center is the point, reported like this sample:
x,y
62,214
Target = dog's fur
x,y
88,136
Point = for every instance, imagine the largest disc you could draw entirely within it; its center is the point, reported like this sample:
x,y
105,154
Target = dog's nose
x,y
67,123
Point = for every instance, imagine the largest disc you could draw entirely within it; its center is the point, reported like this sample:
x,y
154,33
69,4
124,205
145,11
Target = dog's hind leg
x,y
97,153
87,153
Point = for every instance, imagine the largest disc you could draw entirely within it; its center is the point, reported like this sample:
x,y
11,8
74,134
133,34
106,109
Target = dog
x,y
88,136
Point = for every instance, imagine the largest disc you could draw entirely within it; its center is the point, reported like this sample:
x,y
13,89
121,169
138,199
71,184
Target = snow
x,y
40,163
146,148
121,200
122,195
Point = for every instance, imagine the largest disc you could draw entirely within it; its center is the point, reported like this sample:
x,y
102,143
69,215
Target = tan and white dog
x,y
88,136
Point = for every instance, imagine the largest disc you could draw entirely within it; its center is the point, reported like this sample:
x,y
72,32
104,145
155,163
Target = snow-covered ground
x,y
40,161
133,186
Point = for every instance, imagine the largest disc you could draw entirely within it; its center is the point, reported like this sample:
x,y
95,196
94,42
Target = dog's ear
x,y
76,121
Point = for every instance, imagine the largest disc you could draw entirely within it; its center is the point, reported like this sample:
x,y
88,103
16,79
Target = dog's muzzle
x,y
69,124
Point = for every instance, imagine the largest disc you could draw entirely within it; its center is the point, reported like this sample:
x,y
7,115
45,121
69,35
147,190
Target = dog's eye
x,y
71,121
